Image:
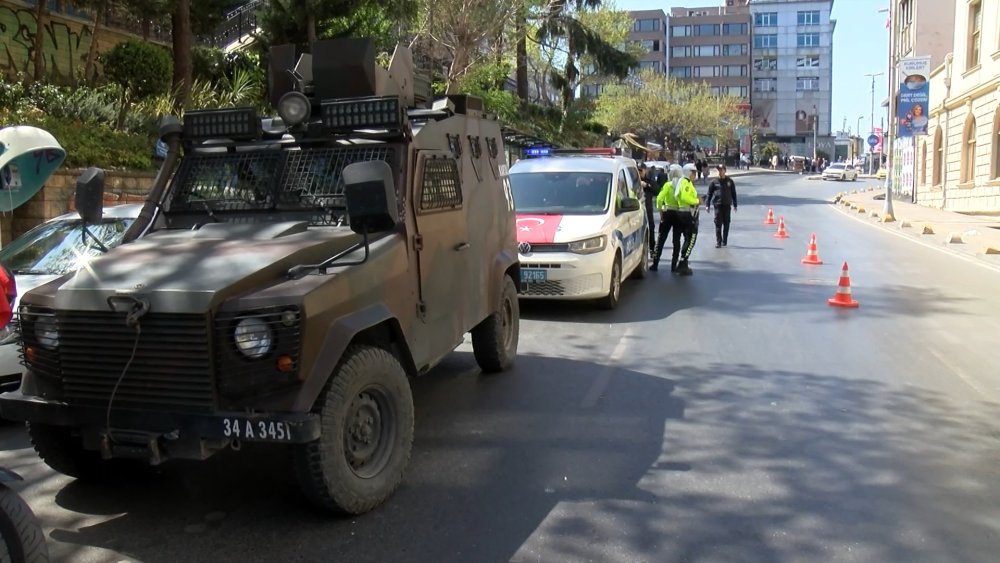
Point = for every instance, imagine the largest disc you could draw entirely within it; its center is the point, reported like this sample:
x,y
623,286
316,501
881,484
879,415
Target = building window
x,y
765,63
810,17
650,45
938,158
996,144
650,65
765,84
811,61
923,162
680,30
706,50
684,51
808,40
646,25
969,151
807,83
716,91
705,29
975,34
766,19
706,71
734,49
680,71
735,91
734,29
734,70
765,41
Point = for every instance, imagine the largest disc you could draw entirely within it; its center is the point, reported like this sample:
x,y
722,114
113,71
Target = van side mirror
x,y
90,195
629,204
28,156
371,196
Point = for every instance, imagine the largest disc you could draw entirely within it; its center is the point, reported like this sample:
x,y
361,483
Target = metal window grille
x,y
441,188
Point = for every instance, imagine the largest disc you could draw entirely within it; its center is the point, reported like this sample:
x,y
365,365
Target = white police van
x,y
581,228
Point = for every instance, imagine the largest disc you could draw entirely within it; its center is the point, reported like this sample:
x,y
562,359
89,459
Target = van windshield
x,y
563,193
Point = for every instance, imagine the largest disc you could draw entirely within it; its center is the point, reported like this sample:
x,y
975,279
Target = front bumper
x,y
161,434
569,276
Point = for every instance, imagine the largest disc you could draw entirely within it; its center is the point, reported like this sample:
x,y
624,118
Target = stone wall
x,y
58,195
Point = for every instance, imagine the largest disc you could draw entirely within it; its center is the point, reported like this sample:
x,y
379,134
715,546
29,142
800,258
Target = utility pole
x,y
888,213
815,121
871,150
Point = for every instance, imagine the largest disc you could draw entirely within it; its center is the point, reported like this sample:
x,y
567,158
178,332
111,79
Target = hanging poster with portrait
x,y
764,117
804,116
914,96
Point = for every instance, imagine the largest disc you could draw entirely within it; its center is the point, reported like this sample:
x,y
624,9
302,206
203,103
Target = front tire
x,y
366,435
63,452
611,300
23,539
494,340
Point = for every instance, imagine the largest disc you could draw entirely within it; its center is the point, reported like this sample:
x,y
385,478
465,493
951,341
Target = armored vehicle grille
x,y
172,365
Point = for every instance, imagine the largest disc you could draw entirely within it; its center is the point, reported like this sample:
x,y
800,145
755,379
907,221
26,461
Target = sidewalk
x,y
971,236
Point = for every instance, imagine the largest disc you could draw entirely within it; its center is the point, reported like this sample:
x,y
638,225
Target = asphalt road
x,y
729,416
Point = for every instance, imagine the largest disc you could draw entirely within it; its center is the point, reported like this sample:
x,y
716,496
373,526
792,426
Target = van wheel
x,y
494,340
63,452
610,301
642,269
366,425
23,539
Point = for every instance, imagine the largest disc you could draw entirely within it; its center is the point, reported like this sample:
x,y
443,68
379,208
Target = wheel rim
x,y
369,432
616,281
507,322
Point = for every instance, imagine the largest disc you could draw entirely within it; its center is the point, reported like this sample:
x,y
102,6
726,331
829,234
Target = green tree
x,y
140,69
302,22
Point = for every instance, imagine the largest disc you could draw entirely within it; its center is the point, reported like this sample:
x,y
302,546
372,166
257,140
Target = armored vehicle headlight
x,y
253,337
589,246
294,108
47,333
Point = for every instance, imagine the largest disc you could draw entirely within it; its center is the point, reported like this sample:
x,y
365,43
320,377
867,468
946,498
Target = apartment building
x,y
712,45
649,31
792,66
958,161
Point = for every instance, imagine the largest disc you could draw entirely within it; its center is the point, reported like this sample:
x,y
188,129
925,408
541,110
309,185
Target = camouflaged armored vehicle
x,y
284,280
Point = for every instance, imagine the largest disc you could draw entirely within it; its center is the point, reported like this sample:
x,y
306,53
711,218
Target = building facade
x,y
649,30
792,74
712,45
958,161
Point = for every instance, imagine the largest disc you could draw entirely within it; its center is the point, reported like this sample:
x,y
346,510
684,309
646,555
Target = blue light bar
x,y
537,151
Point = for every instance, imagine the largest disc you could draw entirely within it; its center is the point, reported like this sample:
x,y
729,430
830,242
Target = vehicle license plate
x,y
533,276
260,430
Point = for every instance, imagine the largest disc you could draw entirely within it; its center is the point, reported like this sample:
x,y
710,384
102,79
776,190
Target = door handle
x,y
462,246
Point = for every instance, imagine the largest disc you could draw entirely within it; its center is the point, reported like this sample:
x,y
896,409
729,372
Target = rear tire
x,y
611,300
494,340
366,425
23,539
642,269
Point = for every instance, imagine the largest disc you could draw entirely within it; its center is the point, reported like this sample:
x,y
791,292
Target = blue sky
x,y
860,46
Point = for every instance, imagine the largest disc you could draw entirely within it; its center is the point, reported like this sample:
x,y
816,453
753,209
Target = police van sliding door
x,y
443,249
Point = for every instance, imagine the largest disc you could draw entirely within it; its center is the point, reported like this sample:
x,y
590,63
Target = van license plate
x,y
533,276
259,430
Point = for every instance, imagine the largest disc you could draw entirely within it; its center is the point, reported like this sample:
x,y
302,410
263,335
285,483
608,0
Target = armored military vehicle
x,y
285,278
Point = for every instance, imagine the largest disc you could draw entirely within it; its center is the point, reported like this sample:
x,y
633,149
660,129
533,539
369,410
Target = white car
x,y
581,228
54,248
840,171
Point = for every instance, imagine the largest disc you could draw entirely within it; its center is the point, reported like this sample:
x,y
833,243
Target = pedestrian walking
x,y
722,196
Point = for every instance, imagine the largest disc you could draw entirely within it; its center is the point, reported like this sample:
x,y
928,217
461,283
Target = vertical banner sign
x,y
914,96
877,147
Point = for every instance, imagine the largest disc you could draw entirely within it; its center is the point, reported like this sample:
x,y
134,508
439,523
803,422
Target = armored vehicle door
x,y
444,252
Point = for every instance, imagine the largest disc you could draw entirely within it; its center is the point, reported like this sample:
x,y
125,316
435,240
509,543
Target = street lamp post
x,y
871,150
815,121
860,117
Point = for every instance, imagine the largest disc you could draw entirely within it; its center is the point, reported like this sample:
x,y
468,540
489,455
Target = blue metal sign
x,y
872,140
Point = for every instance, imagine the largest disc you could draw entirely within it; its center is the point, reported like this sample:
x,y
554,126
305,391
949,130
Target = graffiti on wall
x,y
65,45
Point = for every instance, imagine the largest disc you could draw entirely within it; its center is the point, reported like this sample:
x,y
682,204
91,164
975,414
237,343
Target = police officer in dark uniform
x,y
722,194
650,188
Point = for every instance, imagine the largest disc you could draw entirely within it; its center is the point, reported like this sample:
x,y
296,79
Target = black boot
x,y
684,269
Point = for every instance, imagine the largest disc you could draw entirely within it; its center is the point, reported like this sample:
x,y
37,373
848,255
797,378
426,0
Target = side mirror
x,y
28,156
629,204
371,196
90,196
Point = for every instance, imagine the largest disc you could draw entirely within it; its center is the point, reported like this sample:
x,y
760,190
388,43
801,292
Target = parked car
x,y
840,171
56,247
581,228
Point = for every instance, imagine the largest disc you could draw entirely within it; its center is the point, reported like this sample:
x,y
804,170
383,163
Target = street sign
x,y
872,140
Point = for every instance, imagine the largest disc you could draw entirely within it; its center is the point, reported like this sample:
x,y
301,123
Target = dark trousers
x,y
686,226
723,215
668,221
650,202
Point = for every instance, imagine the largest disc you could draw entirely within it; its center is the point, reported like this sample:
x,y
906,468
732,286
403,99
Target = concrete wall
x,y
57,197
66,42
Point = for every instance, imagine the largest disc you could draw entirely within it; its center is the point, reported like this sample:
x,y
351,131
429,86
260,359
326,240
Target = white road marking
x,y
968,380
600,384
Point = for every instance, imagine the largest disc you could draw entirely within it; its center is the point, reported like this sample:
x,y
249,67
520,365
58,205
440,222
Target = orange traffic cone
x,y
812,254
843,296
770,217
781,229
